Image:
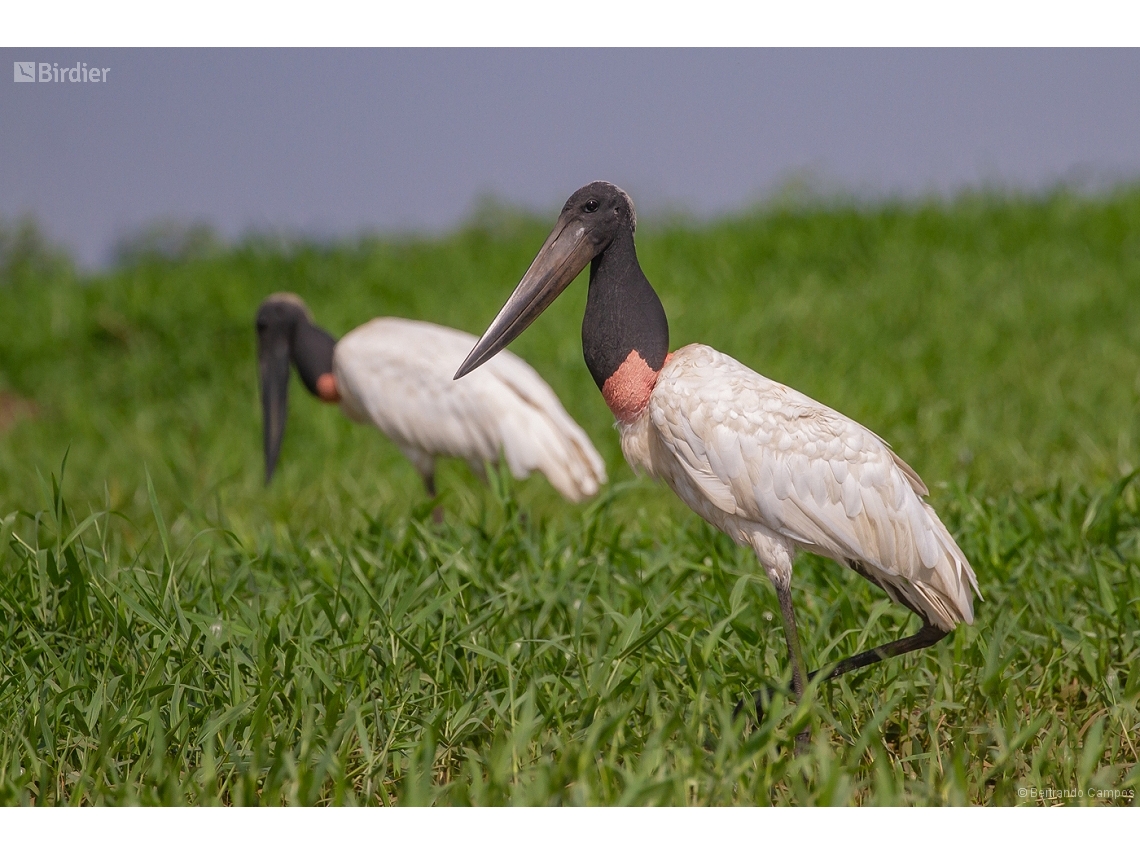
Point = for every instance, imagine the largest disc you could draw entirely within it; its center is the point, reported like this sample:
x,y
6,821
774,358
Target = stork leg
x,y
925,637
795,651
792,636
928,635
429,486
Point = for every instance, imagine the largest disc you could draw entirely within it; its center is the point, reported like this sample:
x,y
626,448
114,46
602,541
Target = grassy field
x,y
175,632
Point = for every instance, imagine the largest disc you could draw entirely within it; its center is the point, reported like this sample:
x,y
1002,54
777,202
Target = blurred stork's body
x,y
395,374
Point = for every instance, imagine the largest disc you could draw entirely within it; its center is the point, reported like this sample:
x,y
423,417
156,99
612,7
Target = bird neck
x,y
312,352
625,334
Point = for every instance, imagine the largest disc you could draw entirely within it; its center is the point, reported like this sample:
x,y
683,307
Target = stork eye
x,y
590,206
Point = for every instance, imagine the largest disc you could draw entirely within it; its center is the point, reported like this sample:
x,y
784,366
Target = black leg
x,y
795,652
792,637
925,637
928,635
429,485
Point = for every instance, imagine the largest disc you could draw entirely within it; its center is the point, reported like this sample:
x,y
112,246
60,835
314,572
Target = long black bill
x,y
273,371
563,256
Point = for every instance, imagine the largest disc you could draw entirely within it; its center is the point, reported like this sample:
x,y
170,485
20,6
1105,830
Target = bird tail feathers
x,y
540,435
948,592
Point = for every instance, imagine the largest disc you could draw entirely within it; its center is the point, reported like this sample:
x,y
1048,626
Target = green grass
x,y
174,632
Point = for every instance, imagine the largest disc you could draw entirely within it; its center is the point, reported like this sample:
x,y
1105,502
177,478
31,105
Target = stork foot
x,y
761,700
803,741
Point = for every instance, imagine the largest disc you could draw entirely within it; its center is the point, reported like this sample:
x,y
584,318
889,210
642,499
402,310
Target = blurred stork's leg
x,y
425,465
429,486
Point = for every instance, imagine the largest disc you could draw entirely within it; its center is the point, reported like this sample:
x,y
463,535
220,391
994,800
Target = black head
x,y
286,332
605,209
593,219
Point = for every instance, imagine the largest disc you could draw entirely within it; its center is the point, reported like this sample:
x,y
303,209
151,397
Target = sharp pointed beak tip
x,y
482,352
464,369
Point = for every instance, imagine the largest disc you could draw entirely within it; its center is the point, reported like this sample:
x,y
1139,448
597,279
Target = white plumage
x,y
396,374
780,472
767,465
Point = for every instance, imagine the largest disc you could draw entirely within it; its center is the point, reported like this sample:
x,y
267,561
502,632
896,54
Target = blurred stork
x,y
396,374
768,466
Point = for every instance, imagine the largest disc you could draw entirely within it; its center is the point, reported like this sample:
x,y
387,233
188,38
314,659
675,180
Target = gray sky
x,y
339,141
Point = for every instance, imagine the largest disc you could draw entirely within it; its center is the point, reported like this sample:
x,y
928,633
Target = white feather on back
x,y
397,375
756,458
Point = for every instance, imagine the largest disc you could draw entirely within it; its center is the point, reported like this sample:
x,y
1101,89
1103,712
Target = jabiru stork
x,y
396,374
767,465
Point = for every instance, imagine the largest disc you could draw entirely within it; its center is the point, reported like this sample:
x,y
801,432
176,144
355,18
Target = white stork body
x,y
780,473
765,464
396,374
